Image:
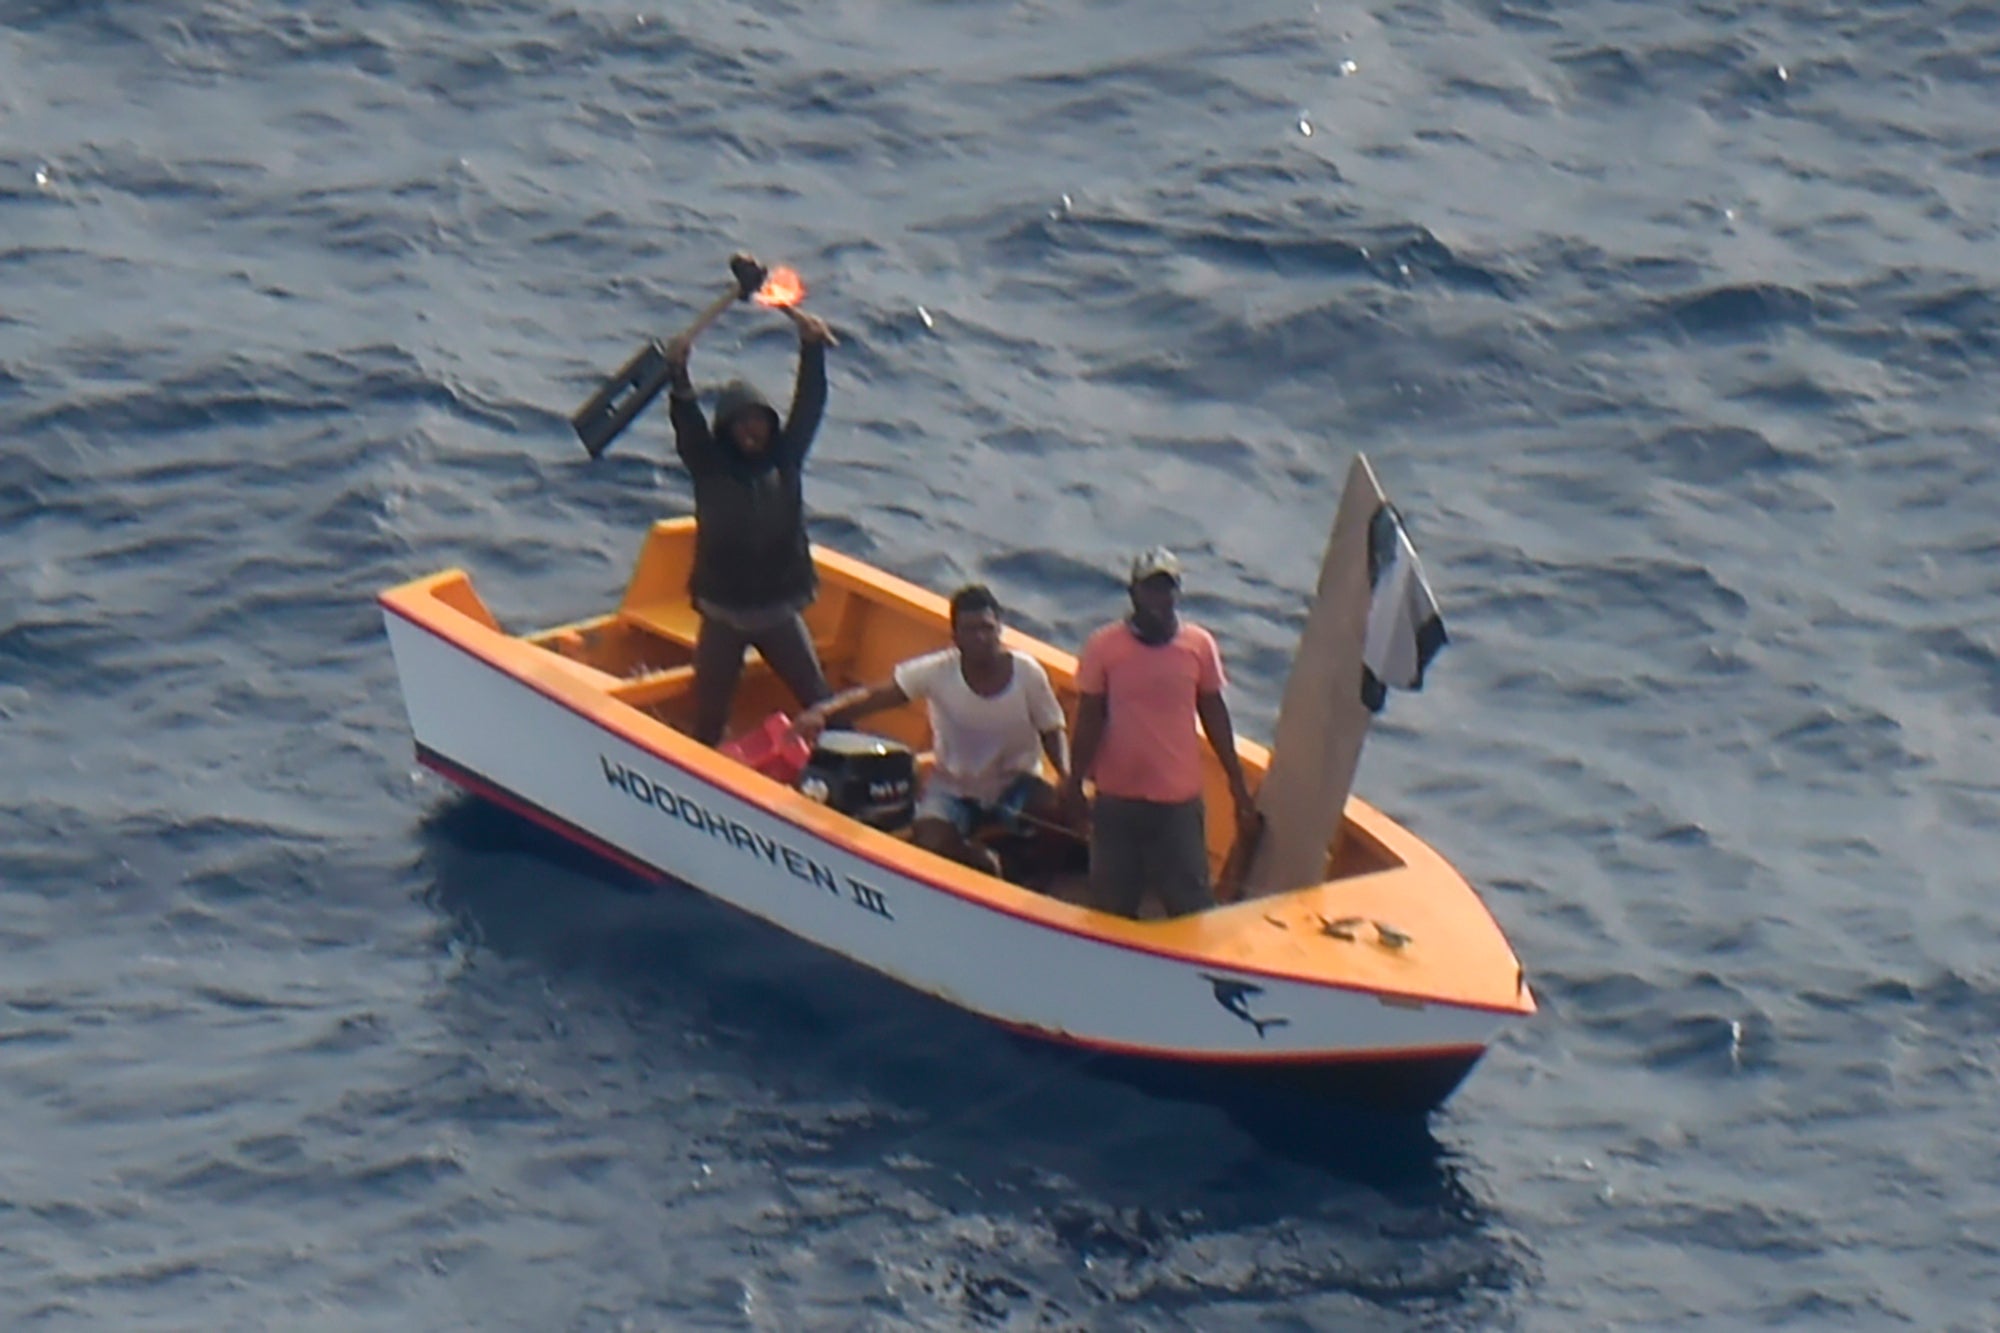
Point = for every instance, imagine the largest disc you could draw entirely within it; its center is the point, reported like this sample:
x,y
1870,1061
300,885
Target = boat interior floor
x,y
653,661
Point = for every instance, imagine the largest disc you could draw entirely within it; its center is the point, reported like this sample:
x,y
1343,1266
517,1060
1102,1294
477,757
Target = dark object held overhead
x,y
749,273
639,381
624,396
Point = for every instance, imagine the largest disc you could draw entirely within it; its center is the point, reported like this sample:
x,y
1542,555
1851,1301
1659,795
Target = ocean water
x,y
1671,329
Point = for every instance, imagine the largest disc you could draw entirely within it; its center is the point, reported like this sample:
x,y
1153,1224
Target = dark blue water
x,y
1671,329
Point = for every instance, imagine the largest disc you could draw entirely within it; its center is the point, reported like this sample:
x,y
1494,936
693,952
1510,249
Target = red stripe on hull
x,y
534,814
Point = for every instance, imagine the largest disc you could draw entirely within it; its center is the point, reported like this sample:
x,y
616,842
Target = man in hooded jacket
x,y
753,568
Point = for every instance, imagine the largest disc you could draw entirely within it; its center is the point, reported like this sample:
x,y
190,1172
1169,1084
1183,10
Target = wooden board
x,y
1322,721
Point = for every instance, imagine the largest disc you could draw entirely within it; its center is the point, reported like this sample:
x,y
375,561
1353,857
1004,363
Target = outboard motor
x,y
870,778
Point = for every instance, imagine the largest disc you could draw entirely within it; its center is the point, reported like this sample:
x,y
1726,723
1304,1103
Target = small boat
x,y
1384,983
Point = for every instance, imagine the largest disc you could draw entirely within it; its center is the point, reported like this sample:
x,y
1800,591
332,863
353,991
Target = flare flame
x,y
782,287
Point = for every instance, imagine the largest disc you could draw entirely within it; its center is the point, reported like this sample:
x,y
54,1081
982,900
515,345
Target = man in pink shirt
x,y
1143,682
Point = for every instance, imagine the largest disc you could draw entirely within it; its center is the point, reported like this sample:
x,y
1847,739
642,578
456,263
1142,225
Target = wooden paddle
x,y
634,385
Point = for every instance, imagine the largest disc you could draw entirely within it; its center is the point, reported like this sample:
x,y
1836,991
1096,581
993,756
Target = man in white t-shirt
x,y
993,717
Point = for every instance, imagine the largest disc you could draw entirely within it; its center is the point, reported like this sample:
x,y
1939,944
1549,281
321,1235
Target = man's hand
x,y
1069,800
812,329
808,726
1248,821
678,349
749,274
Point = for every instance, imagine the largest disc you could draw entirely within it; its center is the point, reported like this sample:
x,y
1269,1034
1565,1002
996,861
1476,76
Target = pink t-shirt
x,y
1151,749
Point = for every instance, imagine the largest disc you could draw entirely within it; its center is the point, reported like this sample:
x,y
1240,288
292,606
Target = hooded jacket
x,y
750,548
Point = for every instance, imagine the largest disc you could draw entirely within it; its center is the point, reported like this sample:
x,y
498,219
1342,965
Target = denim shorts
x,y
966,815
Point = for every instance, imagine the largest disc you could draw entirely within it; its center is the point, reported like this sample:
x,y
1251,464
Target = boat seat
x,y
675,619
655,687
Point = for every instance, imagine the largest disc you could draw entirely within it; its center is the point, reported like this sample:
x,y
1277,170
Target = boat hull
x,y
638,796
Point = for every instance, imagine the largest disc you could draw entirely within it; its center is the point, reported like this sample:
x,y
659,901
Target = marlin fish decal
x,y
1235,996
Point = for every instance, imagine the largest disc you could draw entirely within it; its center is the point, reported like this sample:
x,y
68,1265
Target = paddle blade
x,y
621,398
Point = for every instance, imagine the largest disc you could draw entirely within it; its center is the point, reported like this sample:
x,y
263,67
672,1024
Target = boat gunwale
x,y
415,602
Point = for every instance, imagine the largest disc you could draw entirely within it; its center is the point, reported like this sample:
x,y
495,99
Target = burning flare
x,y
782,287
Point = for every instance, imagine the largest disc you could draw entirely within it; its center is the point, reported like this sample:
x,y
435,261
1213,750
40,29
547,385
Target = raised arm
x,y
691,436
681,344
809,390
692,440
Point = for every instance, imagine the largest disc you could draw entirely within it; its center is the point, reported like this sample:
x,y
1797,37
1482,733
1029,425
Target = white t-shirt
x,y
981,744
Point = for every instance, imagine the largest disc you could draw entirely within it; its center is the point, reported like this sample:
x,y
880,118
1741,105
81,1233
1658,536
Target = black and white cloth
x,y
1404,628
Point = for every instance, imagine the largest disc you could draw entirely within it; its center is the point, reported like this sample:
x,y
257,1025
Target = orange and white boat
x,y
1386,980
